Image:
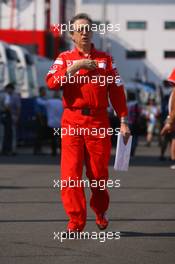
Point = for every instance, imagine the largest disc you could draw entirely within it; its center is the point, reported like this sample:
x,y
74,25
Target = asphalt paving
x,y
141,214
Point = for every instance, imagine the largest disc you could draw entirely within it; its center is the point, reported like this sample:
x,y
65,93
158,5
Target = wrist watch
x,y
124,120
168,120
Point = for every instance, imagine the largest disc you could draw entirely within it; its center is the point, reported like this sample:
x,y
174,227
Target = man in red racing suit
x,y
83,121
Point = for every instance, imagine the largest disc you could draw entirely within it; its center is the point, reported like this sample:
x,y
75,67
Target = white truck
x,y
31,71
8,65
26,72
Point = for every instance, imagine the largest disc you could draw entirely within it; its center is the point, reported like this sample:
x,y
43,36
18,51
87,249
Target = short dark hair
x,y
42,89
10,86
81,16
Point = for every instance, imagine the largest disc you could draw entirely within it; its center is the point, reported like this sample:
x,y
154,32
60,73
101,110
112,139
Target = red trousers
x,y
78,148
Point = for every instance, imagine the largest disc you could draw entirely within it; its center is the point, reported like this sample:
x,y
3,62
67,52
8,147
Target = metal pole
x,y
18,14
12,14
34,15
0,14
103,40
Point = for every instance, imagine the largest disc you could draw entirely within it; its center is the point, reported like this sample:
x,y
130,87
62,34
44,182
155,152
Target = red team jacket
x,y
91,92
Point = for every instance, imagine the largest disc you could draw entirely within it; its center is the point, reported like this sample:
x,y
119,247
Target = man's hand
x,y
125,131
87,64
166,129
82,64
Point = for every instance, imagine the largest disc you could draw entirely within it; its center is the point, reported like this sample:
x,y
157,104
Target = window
x,y
11,54
29,59
33,48
169,25
168,54
2,72
136,25
135,54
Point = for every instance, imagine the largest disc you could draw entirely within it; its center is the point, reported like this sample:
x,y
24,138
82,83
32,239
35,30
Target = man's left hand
x,y
125,131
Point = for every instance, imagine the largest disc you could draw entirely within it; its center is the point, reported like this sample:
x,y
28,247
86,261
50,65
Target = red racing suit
x,y
91,148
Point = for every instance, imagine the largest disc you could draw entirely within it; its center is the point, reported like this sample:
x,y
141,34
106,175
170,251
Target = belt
x,y
87,111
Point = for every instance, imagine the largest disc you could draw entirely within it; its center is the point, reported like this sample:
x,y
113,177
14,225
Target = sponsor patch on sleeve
x,y
58,61
51,71
102,64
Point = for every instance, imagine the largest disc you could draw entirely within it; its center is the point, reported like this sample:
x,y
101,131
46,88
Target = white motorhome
x,y
8,65
26,72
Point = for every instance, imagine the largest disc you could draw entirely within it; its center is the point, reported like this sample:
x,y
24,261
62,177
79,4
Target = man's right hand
x,y
82,64
87,64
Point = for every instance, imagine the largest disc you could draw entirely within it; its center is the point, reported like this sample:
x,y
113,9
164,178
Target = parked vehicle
x,y
8,65
26,72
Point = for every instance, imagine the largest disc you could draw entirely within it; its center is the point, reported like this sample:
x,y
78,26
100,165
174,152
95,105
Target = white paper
x,y
122,156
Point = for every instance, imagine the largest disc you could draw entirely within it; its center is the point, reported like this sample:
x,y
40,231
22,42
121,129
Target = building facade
x,y
145,45
29,23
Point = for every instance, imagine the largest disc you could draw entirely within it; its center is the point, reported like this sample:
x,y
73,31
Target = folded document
x,y
122,156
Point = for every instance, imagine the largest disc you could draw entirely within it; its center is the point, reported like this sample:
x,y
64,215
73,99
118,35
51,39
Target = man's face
x,y
82,33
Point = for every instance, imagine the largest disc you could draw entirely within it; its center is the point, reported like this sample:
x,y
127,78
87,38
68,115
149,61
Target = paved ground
x,y
142,210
